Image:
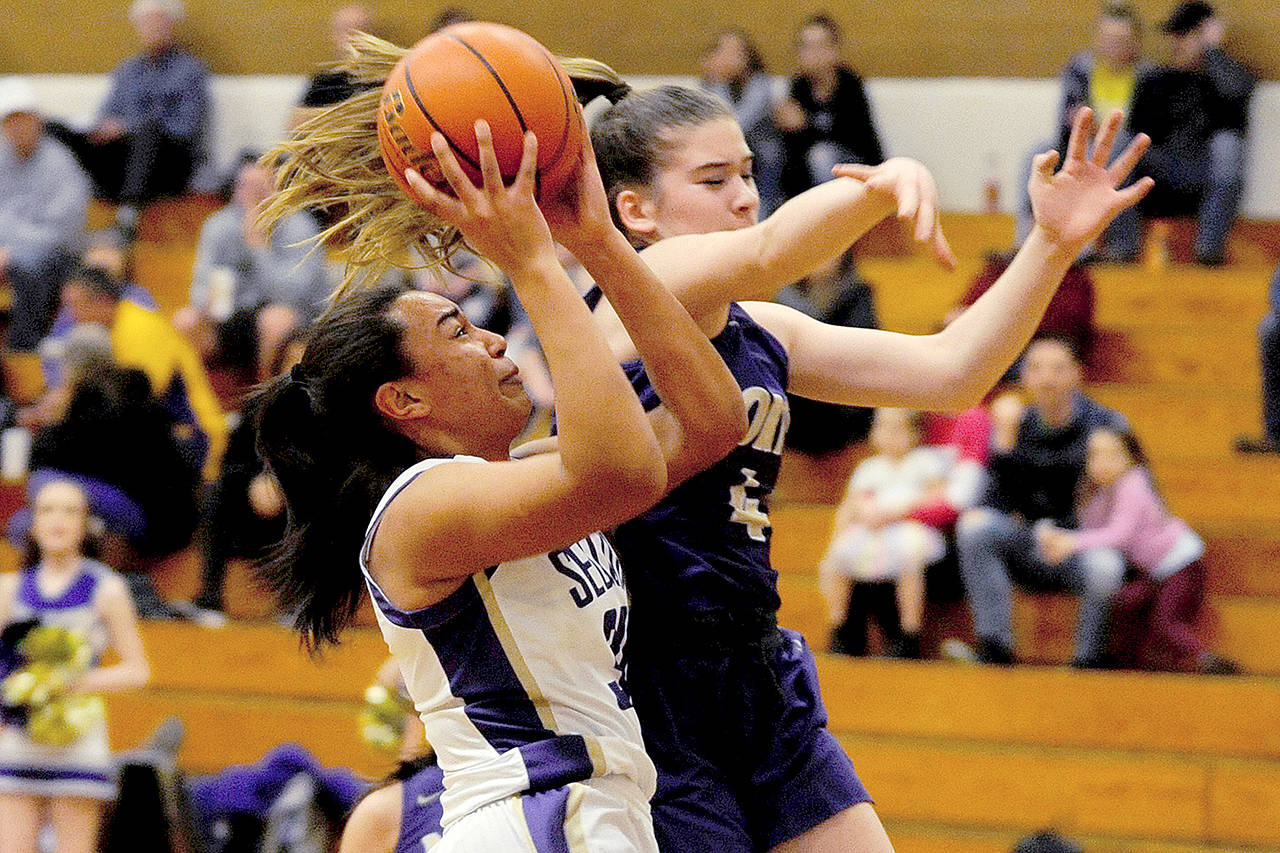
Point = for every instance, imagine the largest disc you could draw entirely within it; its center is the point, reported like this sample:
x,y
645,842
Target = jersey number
x,y
615,632
747,511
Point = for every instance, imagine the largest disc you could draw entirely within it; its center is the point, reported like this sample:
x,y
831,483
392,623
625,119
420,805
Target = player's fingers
x,y
452,172
1043,165
1127,160
1129,196
431,199
1107,138
926,219
1081,129
488,160
908,193
527,176
942,249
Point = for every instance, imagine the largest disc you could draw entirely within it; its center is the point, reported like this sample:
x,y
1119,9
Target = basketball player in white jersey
x,y
506,612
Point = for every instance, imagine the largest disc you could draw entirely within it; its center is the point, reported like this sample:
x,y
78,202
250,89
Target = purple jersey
x,y
421,810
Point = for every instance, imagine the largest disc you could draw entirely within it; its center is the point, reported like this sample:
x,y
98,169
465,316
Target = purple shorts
x,y
738,733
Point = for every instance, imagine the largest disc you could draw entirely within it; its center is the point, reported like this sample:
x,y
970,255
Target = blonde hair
x,y
333,164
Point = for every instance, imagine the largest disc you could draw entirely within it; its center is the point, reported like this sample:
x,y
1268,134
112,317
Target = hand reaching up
x,y
1073,205
916,193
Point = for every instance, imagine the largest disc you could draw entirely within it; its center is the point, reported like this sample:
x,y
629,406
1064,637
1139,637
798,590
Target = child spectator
x,y
878,537
62,587
1154,615
734,70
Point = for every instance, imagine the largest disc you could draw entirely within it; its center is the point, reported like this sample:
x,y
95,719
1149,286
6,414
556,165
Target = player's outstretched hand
x,y
912,185
579,214
502,223
1073,205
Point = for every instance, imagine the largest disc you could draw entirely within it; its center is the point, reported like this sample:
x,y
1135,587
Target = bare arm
x,y
458,519
374,824
116,608
955,367
8,592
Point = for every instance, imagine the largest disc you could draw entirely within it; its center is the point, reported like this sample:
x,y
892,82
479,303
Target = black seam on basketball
x,y
413,91
568,105
524,128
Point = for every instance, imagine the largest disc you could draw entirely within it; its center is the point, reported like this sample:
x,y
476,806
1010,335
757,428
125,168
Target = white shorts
x,y
605,815
883,553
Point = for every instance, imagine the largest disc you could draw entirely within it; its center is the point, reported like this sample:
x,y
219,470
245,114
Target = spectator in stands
x,y
249,289
122,447
329,85
1034,468
837,295
1105,79
1269,352
243,511
880,540
149,136
44,196
61,586
826,118
144,339
1070,314
1196,111
734,70
1154,615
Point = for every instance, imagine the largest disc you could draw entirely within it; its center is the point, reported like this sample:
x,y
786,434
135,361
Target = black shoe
x,y
1210,259
1103,661
907,647
1211,664
994,652
1249,444
210,601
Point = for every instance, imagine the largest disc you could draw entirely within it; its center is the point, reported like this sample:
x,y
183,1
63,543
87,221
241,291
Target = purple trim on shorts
x,y
46,775
545,814
557,761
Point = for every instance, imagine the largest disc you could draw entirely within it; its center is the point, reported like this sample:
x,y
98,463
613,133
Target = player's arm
x,y
116,608
8,592
955,367
461,518
374,824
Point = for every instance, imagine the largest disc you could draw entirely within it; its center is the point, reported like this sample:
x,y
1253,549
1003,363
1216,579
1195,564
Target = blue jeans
x,y
995,549
1210,181
1269,345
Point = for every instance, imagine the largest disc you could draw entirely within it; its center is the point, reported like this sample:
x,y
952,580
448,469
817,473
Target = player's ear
x,y
637,213
402,400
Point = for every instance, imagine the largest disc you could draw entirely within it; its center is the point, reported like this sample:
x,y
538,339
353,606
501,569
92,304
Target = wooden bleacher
x,y
961,759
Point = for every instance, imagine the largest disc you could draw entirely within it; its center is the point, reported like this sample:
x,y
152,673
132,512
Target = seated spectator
x,y
1269,351
1105,79
1154,615
121,446
837,295
243,511
249,289
145,340
879,538
1035,465
1070,314
826,119
734,70
330,85
149,136
44,196
1196,111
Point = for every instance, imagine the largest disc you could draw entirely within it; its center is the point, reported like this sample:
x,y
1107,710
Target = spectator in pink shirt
x,y
1154,615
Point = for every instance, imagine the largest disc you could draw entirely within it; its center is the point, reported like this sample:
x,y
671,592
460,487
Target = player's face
x,y
58,519
704,183
473,389
1106,458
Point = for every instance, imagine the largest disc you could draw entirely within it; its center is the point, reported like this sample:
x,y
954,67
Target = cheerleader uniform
x,y
83,768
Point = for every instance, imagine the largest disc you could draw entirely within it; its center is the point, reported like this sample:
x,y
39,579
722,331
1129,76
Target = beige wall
x,y
918,38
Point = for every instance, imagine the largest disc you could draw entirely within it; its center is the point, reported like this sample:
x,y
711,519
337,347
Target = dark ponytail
x,y
630,136
321,436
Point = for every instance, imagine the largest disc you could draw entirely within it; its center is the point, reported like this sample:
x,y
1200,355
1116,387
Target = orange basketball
x,y
479,70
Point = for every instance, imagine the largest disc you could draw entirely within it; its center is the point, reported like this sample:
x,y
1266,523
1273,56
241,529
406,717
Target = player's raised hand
x,y
579,214
1073,205
913,187
502,223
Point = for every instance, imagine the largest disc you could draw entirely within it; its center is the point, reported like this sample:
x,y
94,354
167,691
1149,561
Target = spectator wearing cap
x,y
44,197
149,136
250,289
1196,111
144,339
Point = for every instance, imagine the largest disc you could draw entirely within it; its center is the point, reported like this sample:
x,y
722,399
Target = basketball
x,y
472,71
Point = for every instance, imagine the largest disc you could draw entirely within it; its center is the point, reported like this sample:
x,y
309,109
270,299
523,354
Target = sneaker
x,y
1102,661
200,616
1211,664
907,647
1249,444
958,650
994,652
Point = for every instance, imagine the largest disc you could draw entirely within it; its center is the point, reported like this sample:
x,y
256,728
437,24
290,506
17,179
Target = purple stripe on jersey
x,y
78,594
555,762
50,775
420,810
545,815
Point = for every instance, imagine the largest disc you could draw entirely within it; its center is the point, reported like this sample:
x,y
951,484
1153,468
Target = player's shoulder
x,y
374,824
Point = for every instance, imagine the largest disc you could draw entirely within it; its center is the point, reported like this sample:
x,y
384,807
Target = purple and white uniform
x,y
518,678
83,768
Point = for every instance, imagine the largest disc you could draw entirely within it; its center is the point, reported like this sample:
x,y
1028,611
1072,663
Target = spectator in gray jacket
x,y
44,197
250,289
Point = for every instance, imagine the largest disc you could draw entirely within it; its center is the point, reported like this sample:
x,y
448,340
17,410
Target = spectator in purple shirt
x,y
1154,615
149,136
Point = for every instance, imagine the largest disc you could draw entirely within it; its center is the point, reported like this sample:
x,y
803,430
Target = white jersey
x,y
519,675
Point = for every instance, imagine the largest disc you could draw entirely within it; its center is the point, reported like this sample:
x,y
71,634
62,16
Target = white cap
x,y
172,8
17,96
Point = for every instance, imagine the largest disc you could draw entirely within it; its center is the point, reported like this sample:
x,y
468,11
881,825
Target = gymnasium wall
x,y
917,38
